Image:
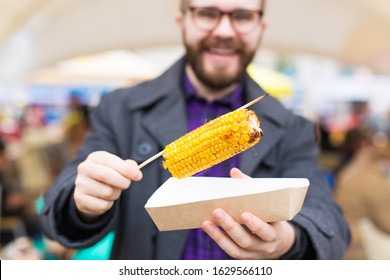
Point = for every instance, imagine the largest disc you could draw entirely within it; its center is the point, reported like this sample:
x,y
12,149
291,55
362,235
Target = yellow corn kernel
x,y
212,143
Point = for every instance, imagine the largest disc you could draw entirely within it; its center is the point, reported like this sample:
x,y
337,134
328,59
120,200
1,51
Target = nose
x,y
224,27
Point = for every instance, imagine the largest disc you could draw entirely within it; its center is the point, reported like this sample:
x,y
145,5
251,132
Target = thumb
x,y
236,173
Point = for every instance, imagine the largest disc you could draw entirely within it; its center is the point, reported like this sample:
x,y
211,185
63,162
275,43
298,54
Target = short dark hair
x,y
184,4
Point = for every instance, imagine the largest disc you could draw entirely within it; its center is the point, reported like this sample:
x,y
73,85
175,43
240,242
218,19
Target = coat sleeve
x,y
59,219
321,219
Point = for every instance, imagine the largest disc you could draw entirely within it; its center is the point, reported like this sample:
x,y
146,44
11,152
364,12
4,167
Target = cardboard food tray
x,y
187,203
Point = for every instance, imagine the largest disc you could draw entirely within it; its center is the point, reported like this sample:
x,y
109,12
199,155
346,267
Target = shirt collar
x,y
234,99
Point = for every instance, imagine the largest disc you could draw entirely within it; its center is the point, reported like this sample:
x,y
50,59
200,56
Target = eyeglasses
x,y
243,21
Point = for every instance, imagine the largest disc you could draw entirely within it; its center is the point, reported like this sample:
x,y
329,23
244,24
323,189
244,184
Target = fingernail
x,y
208,228
246,217
219,215
138,176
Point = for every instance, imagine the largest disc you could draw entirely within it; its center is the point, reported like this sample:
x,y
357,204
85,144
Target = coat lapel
x,y
167,121
163,100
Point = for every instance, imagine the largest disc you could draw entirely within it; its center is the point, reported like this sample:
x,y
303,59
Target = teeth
x,y
222,51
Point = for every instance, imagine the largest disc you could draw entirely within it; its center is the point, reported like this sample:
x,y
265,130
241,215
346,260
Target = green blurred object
x,y
100,251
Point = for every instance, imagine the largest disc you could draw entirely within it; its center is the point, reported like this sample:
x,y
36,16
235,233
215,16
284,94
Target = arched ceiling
x,y
38,33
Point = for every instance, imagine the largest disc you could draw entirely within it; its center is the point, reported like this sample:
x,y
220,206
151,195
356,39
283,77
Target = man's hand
x,y
100,180
264,241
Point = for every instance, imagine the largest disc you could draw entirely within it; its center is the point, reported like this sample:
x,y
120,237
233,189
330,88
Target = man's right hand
x,y
100,180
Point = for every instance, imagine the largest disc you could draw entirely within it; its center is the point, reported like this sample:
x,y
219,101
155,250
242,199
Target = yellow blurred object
x,y
273,82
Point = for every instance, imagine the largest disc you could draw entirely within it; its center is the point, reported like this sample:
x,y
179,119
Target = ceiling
x,y
37,33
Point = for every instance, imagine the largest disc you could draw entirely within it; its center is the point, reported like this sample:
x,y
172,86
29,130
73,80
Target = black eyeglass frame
x,y
229,14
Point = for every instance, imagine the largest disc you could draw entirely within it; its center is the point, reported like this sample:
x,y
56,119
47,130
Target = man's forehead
x,y
227,4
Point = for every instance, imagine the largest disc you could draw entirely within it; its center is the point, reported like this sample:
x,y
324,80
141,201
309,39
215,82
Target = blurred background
x,y
328,60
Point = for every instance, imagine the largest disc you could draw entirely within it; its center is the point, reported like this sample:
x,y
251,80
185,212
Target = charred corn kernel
x,y
212,143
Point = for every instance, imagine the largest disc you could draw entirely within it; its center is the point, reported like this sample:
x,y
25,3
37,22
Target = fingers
x,y
232,228
263,241
103,174
90,206
100,180
258,227
133,172
236,173
235,241
97,189
223,241
127,168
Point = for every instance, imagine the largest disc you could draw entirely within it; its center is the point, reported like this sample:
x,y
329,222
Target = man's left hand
x,y
262,241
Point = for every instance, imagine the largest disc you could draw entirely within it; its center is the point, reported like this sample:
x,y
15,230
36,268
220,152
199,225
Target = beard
x,y
220,78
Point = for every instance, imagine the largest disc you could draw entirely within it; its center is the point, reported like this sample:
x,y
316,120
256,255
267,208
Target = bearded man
x,y
93,195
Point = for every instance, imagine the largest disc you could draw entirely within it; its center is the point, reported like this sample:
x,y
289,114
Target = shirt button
x,y
144,148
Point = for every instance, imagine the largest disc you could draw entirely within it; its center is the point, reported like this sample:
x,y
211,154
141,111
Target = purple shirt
x,y
199,245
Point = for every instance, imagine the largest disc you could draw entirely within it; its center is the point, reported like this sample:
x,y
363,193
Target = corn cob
x,y
212,143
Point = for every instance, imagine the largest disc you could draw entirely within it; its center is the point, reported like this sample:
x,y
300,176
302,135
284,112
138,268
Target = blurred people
x,y
21,248
355,140
76,124
360,114
12,199
33,116
92,196
52,250
363,187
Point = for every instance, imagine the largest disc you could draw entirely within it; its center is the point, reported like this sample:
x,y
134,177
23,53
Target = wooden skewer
x,y
149,160
253,102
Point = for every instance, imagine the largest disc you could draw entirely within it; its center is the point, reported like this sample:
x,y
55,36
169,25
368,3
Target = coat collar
x,y
169,83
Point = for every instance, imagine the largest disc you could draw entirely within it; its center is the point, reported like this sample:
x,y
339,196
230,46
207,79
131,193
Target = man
x,y
93,197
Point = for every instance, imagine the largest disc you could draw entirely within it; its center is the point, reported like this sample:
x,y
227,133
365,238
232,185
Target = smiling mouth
x,y
222,51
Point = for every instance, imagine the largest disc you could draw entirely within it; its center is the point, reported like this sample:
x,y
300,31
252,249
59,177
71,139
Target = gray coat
x,y
138,122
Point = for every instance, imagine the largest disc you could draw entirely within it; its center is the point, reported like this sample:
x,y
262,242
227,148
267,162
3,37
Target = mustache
x,y
222,43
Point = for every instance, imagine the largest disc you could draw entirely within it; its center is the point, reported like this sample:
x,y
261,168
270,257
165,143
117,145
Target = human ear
x,y
179,18
264,24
